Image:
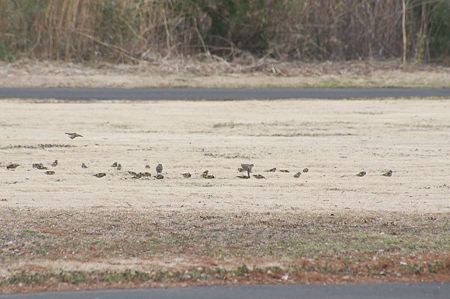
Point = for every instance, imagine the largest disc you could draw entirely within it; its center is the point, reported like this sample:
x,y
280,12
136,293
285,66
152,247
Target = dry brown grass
x,y
72,230
67,249
211,71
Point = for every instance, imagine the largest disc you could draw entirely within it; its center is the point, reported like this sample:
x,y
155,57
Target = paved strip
x,y
217,93
385,291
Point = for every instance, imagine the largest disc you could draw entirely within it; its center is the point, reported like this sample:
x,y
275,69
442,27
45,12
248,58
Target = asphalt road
x,y
217,93
384,291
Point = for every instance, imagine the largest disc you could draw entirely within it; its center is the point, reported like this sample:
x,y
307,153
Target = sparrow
x,y
39,166
100,174
159,168
55,163
284,170
159,176
247,168
361,174
83,165
74,135
258,176
49,172
206,175
271,170
114,164
387,173
305,170
119,166
147,166
186,175
298,174
12,166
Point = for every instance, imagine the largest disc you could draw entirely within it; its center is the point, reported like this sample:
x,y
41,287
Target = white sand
x,y
334,139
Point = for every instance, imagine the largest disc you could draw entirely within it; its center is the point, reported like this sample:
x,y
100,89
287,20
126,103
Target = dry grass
x,y
211,71
72,230
72,249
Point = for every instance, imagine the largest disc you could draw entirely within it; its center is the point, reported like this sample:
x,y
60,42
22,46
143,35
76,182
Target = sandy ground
x,y
219,73
334,139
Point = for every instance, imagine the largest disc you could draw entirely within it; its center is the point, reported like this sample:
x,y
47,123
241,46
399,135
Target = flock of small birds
x,y
245,168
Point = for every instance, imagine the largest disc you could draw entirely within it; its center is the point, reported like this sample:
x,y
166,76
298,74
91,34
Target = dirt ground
x,y
216,72
334,140
73,221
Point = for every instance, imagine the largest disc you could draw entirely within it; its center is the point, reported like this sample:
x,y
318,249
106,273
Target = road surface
x,y
385,291
217,93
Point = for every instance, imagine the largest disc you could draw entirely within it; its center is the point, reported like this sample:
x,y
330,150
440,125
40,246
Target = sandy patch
x,y
334,139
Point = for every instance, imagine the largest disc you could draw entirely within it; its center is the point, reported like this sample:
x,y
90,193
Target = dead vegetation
x,y
90,249
215,72
131,31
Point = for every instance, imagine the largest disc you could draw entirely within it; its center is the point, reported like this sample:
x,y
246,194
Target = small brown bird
x,y
119,166
271,170
55,163
387,173
305,170
361,174
49,172
140,174
159,176
248,168
83,165
147,166
100,174
258,176
73,135
284,170
114,164
298,174
186,175
206,175
159,168
12,166
39,166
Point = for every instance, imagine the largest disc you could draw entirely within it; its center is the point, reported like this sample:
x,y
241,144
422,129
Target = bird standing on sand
x,y
12,166
55,163
206,175
247,168
83,165
159,168
74,135
39,166
298,174
387,173
361,174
